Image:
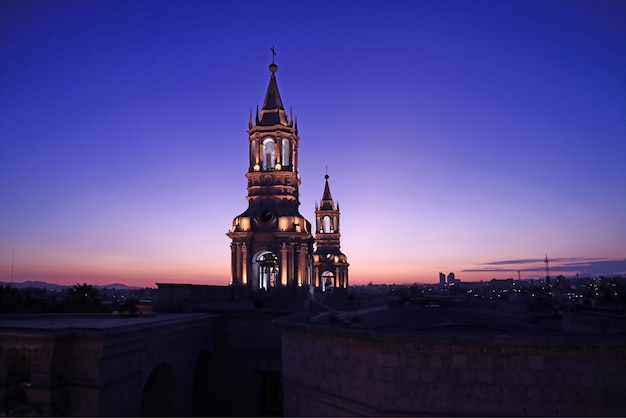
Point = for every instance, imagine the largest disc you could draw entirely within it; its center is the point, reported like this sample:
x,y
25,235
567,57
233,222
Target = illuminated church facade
x,y
272,244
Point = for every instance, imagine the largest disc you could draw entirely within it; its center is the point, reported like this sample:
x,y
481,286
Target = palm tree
x,y
84,298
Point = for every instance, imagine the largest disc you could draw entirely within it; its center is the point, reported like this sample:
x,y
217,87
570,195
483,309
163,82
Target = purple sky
x,y
466,136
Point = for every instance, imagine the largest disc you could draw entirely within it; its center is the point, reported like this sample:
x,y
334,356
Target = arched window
x,y
326,224
253,160
17,378
266,264
286,153
203,375
269,154
159,397
328,279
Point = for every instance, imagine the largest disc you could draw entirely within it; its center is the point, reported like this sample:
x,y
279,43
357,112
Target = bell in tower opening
x,y
272,243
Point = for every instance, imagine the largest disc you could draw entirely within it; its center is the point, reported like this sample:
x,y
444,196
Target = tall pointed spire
x,y
273,111
327,199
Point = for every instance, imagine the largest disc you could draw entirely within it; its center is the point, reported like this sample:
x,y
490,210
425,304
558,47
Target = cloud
x,y
506,262
573,265
596,267
539,260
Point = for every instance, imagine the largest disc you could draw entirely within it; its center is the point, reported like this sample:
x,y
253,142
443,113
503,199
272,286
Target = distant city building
x,y
442,279
451,279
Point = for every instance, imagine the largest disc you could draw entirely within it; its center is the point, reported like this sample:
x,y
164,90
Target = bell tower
x,y
330,264
272,244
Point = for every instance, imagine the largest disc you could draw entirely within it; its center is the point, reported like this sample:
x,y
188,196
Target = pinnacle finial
x,y
326,176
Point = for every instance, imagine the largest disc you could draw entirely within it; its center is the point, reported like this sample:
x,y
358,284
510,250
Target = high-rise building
x,y
451,278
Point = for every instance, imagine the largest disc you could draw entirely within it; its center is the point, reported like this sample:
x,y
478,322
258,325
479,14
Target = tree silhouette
x,y
84,298
10,299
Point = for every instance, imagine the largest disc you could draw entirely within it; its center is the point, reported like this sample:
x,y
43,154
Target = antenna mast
x,y
12,262
547,261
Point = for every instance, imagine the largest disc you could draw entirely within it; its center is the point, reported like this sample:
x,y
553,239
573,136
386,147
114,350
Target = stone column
x,y
283,262
244,264
233,264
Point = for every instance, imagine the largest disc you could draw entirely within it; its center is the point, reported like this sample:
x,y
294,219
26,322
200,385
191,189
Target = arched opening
x,y
17,378
326,222
265,270
202,385
159,397
328,281
286,153
269,154
253,156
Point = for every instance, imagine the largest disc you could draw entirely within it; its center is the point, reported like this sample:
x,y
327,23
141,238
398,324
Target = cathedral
x,y
272,243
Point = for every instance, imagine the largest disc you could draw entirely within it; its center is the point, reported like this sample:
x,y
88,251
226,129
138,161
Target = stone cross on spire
x,y
273,53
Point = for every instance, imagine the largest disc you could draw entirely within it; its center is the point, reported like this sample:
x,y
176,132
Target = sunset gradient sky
x,y
472,137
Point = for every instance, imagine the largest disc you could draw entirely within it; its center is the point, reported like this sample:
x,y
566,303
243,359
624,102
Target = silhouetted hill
x,y
118,286
31,283
52,286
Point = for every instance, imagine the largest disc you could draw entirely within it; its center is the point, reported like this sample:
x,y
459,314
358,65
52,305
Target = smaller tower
x,y
329,263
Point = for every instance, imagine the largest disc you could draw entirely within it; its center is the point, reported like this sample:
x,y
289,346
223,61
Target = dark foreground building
x,y
455,361
258,356
105,365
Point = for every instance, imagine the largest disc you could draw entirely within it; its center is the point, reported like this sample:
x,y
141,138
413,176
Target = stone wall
x,y
593,323
178,297
327,372
90,365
